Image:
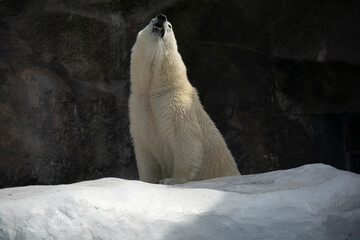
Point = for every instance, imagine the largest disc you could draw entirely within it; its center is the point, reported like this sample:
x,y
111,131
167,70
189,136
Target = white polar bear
x,y
175,140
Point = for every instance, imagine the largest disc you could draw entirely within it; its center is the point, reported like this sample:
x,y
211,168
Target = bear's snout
x,y
158,26
161,18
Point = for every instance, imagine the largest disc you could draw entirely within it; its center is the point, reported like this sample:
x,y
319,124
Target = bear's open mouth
x,y
159,28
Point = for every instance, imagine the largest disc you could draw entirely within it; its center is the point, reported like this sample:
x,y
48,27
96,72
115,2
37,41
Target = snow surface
x,y
311,202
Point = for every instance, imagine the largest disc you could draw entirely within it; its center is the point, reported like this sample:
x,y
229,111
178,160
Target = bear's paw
x,y
172,181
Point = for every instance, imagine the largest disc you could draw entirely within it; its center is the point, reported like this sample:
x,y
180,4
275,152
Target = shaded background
x,y
280,79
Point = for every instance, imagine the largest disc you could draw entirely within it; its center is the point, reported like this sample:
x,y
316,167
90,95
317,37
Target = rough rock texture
x,y
263,71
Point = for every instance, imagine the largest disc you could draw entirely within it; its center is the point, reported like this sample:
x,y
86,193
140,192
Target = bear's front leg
x,y
149,170
188,153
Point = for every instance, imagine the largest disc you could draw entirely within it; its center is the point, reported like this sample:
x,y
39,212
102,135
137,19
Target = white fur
x,y
175,140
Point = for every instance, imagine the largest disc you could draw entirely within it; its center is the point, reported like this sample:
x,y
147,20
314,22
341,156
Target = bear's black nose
x,y
161,18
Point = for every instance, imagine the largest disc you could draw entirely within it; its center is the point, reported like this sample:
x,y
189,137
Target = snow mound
x,y
310,202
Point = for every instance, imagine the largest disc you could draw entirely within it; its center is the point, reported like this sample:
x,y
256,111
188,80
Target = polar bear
x,y
175,141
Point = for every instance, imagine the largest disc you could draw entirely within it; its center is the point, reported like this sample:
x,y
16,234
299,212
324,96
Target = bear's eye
x,y
170,26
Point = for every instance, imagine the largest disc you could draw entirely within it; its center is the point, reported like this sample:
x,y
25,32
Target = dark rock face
x,y
63,100
263,71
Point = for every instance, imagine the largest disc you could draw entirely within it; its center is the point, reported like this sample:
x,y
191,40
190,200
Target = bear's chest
x,y
146,116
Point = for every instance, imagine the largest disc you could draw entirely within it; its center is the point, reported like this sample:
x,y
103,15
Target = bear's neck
x,y
157,72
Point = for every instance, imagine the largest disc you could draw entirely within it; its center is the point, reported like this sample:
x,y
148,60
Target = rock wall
x,y
263,71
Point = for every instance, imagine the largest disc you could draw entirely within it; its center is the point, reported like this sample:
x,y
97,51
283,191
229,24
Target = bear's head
x,y
158,36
